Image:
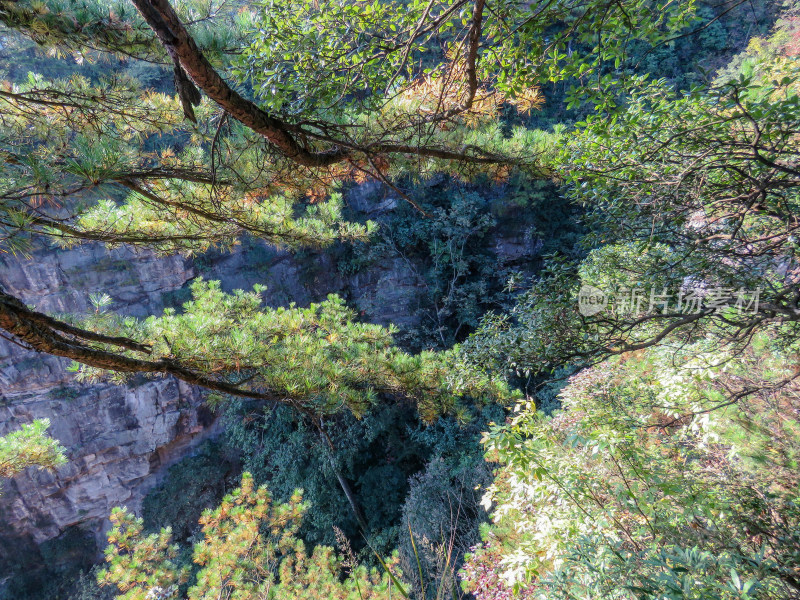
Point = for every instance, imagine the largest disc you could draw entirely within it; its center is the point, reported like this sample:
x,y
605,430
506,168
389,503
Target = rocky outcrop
x,y
118,438
62,280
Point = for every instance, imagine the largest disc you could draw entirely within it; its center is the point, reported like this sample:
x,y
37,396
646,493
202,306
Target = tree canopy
x,y
657,457
299,97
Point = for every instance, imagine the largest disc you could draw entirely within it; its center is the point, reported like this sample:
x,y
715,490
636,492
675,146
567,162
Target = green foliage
x,y
140,565
94,138
691,59
448,252
89,30
656,480
347,71
86,587
353,48
283,450
346,39
645,485
91,152
176,298
441,514
554,219
250,549
706,185
374,453
195,483
30,446
60,567
453,251
603,501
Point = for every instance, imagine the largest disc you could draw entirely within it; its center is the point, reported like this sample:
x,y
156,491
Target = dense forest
x,y
588,389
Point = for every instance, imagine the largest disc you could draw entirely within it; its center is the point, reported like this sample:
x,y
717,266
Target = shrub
x,y
441,513
657,480
250,550
192,485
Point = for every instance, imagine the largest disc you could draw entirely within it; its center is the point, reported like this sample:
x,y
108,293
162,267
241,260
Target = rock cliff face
x,y
120,439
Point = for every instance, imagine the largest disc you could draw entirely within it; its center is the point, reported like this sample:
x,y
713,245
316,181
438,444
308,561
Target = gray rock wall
x,y
118,438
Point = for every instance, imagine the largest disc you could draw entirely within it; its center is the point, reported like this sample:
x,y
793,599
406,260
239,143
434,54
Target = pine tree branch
x,y
45,334
180,45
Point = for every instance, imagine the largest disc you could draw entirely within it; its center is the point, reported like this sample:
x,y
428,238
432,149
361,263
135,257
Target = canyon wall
x,y
117,437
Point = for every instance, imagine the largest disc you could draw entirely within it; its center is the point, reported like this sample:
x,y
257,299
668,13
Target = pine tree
x,y
249,550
